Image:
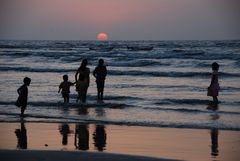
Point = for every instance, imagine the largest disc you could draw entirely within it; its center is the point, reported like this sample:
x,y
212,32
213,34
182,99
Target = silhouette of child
x,y
65,87
23,95
214,87
100,73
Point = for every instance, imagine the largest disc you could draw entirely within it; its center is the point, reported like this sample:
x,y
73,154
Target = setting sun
x,y
102,36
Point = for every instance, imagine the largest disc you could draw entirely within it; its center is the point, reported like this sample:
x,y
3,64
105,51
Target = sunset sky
x,y
120,19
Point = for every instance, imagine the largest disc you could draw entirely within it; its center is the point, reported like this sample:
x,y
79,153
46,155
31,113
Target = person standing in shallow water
x,y
100,73
65,87
23,95
214,87
82,81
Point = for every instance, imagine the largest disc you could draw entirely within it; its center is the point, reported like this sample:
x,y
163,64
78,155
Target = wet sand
x,y
90,141
33,155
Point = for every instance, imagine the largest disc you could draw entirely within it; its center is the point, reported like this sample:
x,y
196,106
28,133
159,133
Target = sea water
x,y
162,87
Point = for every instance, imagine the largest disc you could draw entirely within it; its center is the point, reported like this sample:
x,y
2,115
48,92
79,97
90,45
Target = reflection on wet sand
x,y
81,139
81,136
83,111
214,131
149,141
21,137
100,112
100,137
213,107
64,130
214,140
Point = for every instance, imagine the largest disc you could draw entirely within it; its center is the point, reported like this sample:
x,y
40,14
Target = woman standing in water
x,y
82,81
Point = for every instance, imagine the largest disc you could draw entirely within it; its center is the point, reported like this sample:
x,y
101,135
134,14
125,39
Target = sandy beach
x,y
59,141
31,155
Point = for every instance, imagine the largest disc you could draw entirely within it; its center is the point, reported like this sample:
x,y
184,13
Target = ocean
x,y
162,87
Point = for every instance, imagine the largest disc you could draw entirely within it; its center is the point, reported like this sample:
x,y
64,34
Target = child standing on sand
x,y
214,87
23,95
65,87
100,73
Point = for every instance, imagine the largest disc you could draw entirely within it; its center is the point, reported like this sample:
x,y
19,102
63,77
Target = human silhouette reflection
x,y
83,110
100,137
213,107
21,137
214,140
100,112
81,139
214,131
64,130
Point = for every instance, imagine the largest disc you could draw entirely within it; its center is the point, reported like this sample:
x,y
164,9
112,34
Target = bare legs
x,y
22,111
100,89
66,99
82,96
100,94
215,100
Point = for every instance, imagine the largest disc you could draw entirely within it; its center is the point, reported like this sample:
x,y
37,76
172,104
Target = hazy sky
x,y
120,19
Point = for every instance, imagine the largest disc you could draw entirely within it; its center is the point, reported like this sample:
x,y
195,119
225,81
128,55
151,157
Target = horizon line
x,y
119,40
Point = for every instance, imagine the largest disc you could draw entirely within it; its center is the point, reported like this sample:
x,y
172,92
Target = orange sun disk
x,y
102,36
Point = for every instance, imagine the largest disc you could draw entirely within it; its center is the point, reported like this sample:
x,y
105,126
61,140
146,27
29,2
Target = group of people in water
x,y
82,80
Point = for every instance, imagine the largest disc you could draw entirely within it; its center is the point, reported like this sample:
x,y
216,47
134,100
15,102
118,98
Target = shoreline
x,y
173,143
32,155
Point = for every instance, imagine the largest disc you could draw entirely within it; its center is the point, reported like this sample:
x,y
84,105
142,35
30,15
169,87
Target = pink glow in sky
x,y
121,19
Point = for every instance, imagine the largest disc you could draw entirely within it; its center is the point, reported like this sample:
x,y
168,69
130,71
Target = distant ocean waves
x,y
127,73
158,54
